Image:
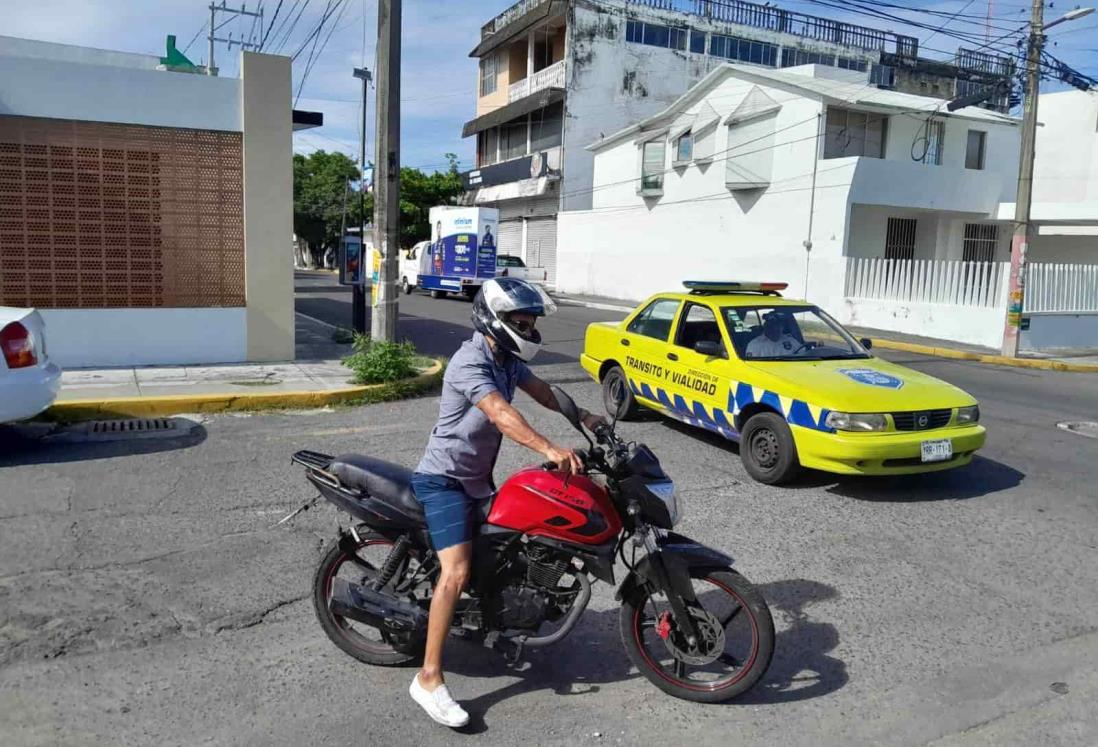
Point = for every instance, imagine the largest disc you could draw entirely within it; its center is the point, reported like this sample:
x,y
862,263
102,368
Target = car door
x,y
700,380
644,346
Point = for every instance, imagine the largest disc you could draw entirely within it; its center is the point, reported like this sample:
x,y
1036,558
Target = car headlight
x,y
856,421
665,491
970,414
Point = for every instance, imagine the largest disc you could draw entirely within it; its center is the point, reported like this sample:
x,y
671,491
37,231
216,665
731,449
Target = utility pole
x,y
1019,244
812,202
387,164
212,37
358,292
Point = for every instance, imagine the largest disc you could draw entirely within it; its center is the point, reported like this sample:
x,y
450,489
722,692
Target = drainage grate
x,y
138,425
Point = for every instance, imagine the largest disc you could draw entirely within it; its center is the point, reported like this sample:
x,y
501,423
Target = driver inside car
x,y
455,474
774,341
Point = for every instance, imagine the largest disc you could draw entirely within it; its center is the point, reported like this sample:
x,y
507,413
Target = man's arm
x,y
511,424
543,395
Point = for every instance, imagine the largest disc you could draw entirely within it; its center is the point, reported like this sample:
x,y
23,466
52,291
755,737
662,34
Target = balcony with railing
x,y
548,77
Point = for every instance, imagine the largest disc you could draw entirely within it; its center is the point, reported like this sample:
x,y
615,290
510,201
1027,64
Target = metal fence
x,y
951,282
1061,287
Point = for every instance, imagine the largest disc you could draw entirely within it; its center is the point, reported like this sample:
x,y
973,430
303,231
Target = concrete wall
x,y
1067,249
1066,162
971,325
11,46
1053,332
268,206
59,89
127,337
938,235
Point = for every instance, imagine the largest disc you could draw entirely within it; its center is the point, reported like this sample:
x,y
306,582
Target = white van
x,y
410,264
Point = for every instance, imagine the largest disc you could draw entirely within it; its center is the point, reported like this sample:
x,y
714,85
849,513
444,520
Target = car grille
x,y
921,420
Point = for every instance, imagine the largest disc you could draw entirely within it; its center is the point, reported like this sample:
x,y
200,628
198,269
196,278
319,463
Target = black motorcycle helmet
x,y
493,306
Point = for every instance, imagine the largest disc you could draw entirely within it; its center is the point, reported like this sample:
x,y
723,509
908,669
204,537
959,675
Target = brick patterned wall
x,y
96,215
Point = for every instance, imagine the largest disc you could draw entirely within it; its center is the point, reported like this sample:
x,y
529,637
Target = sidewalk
x,y
1083,362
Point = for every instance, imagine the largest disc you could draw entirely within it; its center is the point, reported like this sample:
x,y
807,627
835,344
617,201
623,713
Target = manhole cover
x,y
1087,428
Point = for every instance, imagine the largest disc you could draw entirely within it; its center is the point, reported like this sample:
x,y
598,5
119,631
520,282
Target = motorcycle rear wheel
x,y
346,634
661,661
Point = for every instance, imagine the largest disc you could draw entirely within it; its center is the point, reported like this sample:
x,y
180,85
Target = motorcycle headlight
x,y
970,414
856,421
665,491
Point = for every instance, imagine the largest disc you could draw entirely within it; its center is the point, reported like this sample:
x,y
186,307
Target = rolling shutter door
x,y
541,245
510,237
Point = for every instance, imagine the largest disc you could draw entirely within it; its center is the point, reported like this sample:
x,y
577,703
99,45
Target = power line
x,y
270,25
195,37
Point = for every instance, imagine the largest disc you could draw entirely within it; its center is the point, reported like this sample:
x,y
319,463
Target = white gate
x,y
541,245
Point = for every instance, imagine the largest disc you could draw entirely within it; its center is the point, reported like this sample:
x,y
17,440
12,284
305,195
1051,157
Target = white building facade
x,y
556,75
866,201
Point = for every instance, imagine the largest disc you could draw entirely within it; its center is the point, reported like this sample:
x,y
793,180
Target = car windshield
x,y
506,260
787,333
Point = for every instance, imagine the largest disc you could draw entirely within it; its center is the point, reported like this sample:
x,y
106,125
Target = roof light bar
x,y
733,286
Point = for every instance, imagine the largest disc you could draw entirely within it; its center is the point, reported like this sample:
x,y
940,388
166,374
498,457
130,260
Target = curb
x,y
997,360
158,406
910,347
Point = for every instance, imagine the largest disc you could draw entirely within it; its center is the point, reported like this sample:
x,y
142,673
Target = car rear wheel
x,y
407,287
767,449
617,397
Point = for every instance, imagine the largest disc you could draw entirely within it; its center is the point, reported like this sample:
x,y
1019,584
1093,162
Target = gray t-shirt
x,y
464,442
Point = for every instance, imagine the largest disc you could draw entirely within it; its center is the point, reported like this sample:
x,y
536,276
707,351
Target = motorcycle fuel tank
x,y
539,502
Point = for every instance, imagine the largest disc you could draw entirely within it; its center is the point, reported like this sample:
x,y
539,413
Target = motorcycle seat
x,y
385,481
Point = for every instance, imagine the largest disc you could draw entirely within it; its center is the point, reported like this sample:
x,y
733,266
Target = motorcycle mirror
x,y
567,407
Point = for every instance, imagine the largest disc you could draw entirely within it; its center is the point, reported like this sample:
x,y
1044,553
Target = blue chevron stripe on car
x,y
740,394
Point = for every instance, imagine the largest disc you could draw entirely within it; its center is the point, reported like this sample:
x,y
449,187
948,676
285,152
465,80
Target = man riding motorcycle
x,y
455,473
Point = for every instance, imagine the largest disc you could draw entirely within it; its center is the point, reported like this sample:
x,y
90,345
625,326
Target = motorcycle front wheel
x,y
733,650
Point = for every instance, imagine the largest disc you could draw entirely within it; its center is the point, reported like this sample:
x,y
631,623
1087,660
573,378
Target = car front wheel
x,y
767,449
617,396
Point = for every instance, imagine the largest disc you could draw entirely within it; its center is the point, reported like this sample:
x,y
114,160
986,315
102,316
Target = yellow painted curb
x,y
82,409
998,360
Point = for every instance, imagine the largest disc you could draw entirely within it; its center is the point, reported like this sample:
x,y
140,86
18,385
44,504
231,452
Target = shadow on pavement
x,y
801,668
32,444
981,477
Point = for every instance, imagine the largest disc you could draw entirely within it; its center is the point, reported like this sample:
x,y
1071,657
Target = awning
x,y
518,26
513,191
303,120
525,105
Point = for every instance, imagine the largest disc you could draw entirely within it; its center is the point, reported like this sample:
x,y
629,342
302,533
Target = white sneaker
x,y
438,704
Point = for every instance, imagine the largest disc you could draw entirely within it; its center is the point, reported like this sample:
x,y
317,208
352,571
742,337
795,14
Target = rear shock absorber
x,y
392,563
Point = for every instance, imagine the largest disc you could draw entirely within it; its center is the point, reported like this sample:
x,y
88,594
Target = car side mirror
x,y
866,343
709,348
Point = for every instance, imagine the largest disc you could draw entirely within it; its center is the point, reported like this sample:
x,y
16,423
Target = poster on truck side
x,y
463,247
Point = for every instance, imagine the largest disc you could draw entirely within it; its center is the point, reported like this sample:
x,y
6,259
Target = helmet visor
x,y
510,295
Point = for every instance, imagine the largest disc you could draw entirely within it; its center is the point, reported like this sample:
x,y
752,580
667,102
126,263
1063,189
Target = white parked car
x,y
29,382
410,263
510,266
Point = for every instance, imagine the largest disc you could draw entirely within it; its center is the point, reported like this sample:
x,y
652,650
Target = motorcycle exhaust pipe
x,y
375,608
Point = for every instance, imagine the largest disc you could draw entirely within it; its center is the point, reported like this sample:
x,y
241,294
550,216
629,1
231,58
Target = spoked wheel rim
x,y
765,448
360,634
665,651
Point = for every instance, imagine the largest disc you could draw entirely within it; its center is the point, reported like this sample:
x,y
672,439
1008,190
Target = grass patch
x,y
381,362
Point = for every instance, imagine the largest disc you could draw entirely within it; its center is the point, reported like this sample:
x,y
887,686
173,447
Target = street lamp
x,y
1019,244
1071,15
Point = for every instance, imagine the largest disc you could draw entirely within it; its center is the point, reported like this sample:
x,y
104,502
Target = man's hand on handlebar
x,y
591,420
566,459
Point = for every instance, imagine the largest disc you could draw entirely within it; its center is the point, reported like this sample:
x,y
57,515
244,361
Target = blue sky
x,y
439,78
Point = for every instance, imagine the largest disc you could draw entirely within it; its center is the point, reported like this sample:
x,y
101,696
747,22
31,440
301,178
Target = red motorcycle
x,y
693,626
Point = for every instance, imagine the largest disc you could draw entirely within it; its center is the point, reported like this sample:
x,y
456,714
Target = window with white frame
x,y
489,71
653,156
512,139
488,146
850,133
684,147
974,151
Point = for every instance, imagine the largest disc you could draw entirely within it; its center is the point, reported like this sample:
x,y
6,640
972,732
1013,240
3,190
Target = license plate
x,y
937,451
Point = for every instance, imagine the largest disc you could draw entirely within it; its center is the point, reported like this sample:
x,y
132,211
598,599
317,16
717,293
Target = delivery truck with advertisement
x,y
461,254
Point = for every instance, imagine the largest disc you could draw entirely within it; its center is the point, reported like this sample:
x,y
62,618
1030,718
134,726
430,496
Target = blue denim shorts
x,y
451,513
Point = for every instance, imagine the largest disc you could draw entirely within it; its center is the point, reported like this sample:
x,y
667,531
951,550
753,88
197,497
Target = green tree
x,y
323,186
419,192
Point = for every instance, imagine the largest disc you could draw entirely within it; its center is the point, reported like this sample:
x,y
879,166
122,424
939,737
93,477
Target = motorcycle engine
x,y
522,607
526,601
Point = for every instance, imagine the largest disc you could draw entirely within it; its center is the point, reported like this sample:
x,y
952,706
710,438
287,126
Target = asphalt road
x,y
145,597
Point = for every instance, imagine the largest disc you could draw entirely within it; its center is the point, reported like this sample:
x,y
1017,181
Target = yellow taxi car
x,y
783,379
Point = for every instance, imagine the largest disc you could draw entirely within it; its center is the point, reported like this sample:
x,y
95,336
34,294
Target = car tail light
x,y
17,345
